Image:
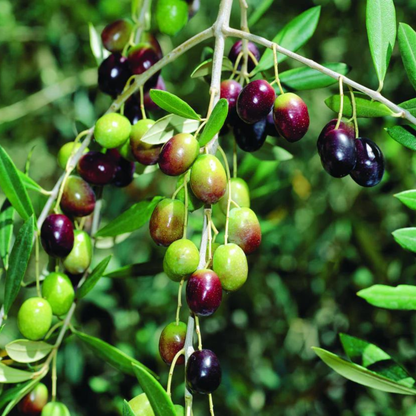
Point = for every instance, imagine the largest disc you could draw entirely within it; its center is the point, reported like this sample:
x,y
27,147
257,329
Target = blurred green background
x,y
323,238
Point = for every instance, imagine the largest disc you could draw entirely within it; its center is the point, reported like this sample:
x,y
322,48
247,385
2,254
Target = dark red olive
x,y
113,74
237,48
141,58
347,126
124,169
203,372
97,168
116,35
78,198
255,101
250,137
57,235
369,169
171,341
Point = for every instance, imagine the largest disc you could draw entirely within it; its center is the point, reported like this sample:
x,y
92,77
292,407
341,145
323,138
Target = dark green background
x,y
323,239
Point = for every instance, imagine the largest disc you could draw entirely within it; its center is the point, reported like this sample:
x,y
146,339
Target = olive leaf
x,y
25,351
19,259
381,29
405,135
29,183
259,11
407,45
159,400
112,355
215,122
131,220
13,395
173,104
6,231
361,375
95,44
155,135
408,198
406,237
127,410
13,187
13,375
294,35
93,278
410,106
402,297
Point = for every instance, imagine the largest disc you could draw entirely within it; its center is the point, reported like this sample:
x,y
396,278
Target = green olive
x,y
55,409
112,130
79,259
181,259
34,318
65,152
57,289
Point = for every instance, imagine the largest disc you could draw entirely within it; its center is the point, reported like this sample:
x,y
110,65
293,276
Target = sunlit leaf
x,y
215,122
25,351
173,104
407,44
402,297
6,231
408,198
93,278
406,237
405,135
13,375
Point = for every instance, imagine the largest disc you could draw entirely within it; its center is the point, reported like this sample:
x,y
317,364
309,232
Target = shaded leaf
x,y
410,106
112,355
405,135
13,187
184,125
25,351
205,68
131,220
408,198
381,31
156,133
407,45
307,78
159,400
361,375
136,270
215,122
406,237
13,375
19,259
402,297
29,183
6,231
127,410
294,35
366,108
93,278
173,104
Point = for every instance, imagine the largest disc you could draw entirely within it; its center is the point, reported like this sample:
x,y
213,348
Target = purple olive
x,y
237,48
97,168
57,235
113,74
347,126
250,137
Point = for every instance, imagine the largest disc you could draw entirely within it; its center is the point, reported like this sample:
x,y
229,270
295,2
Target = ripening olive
x,y
79,259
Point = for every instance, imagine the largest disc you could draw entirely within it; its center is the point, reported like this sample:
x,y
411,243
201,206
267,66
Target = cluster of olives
x,y
255,112
343,154
36,403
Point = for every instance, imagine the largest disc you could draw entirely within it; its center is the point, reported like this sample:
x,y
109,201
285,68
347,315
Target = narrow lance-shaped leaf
x,y
131,220
6,231
173,104
10,375
14,395
12,186
405,135
159,400
366,108
93,278
29,183
215,122
410,106
294,35
112,355
406,237
307,78
407,45
19,259
375,359
95,44
381,30
402,297
361,375
25,351
408,198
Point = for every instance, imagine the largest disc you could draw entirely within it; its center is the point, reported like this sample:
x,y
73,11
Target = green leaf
x,y
293,36
29,183
25,351
111,355
136,270
259,12
131,220
127,410
405,135
19,259
402,297
407,45
95,44
361,375
271,153
305,78
13,187
205,68
173,104
406,237
13,375
157,133
184,125
410,106
6,231
159,400
93,278
408,198
381,31
215,122
366,108
375,359
13,395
